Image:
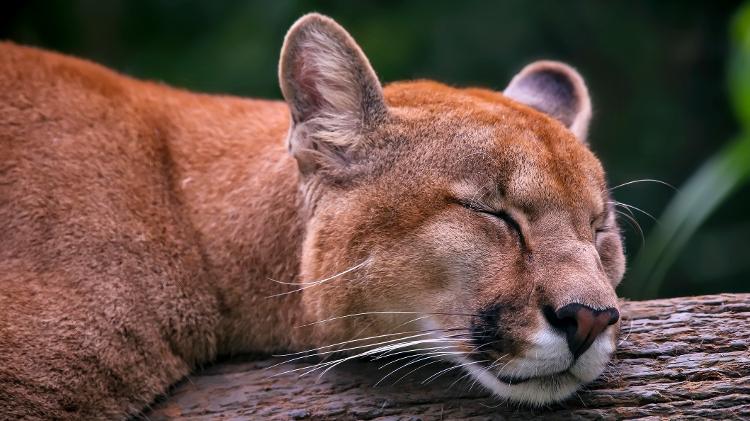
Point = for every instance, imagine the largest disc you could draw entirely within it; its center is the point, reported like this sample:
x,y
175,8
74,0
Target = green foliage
x,y
709,187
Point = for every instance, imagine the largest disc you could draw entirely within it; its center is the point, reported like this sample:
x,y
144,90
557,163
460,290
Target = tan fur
x,y
141,225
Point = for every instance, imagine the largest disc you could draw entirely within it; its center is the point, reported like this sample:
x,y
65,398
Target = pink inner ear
x,y
304,75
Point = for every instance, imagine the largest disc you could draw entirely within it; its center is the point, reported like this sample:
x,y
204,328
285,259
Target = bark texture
x,y
678,358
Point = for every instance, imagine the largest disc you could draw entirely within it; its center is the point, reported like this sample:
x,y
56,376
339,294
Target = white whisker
x,y
311,284
497,361
634,224
418,351
627,206
630,329
644,180
313,350
382,312
416,369
436,375
381,349
418,359
351,348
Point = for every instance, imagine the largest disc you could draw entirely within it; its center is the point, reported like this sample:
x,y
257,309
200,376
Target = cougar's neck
x,y
240,188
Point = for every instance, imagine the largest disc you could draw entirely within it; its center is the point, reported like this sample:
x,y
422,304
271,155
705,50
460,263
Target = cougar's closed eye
x,y
602,229
499,214
600,224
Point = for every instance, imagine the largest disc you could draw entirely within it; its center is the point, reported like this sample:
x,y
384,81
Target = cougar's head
x,y
472,225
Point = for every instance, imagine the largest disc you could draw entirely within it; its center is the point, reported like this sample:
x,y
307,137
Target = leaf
x,y
708,188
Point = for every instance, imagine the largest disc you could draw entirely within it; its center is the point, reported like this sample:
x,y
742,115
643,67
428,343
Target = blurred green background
x,y
659,73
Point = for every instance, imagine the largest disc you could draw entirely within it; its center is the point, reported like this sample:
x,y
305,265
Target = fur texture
x,y
141,227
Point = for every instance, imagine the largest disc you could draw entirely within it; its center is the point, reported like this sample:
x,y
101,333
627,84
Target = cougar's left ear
x,y
555,89
333,93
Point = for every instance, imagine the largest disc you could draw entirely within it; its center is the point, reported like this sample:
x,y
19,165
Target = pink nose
x,y
581,324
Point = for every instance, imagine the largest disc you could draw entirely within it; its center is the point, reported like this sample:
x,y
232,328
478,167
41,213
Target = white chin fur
x,y
548,355
535,392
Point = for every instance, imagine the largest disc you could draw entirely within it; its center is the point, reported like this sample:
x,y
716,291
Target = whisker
x,y
312,351
477,348
418,359
416,319
417,351
377,350
383,351
436,375
627,206
367,326
388,346
385,312
311,284
616,203
502,402
630,330
453,338
414,358
634,224
487,369
497,362
465,375
643,180
381,344
414,370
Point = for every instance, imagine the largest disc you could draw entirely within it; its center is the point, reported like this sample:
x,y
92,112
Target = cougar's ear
x,y
555,89
333,93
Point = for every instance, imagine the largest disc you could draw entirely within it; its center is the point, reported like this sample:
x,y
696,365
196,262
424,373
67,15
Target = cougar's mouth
x,y
515,380
518,380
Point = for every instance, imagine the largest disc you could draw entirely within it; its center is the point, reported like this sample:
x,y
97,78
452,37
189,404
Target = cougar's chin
x,y
534,391
542,376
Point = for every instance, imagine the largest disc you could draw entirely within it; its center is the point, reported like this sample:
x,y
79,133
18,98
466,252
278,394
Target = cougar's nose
x,y
581,324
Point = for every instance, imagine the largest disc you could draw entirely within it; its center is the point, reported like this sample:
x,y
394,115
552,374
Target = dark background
x,y
656,71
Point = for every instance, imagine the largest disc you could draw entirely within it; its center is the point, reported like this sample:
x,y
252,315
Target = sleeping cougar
x,y
143,228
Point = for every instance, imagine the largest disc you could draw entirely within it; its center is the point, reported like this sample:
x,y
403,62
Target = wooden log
x,y
677,358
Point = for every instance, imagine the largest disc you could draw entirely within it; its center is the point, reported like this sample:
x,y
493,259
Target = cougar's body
x,y
146,230
139,225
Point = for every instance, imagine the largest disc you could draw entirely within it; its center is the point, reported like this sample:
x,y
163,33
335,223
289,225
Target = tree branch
x,y
677,358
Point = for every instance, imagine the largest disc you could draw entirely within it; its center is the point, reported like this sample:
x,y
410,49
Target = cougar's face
x,y
467,224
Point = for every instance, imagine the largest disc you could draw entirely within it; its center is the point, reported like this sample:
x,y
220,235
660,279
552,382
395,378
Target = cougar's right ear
x,y
333,93
557,90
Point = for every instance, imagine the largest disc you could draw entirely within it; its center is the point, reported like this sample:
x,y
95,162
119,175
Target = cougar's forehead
x,y
543,166
494,143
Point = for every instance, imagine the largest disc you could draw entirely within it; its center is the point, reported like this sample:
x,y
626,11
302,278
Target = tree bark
x,y
677,358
